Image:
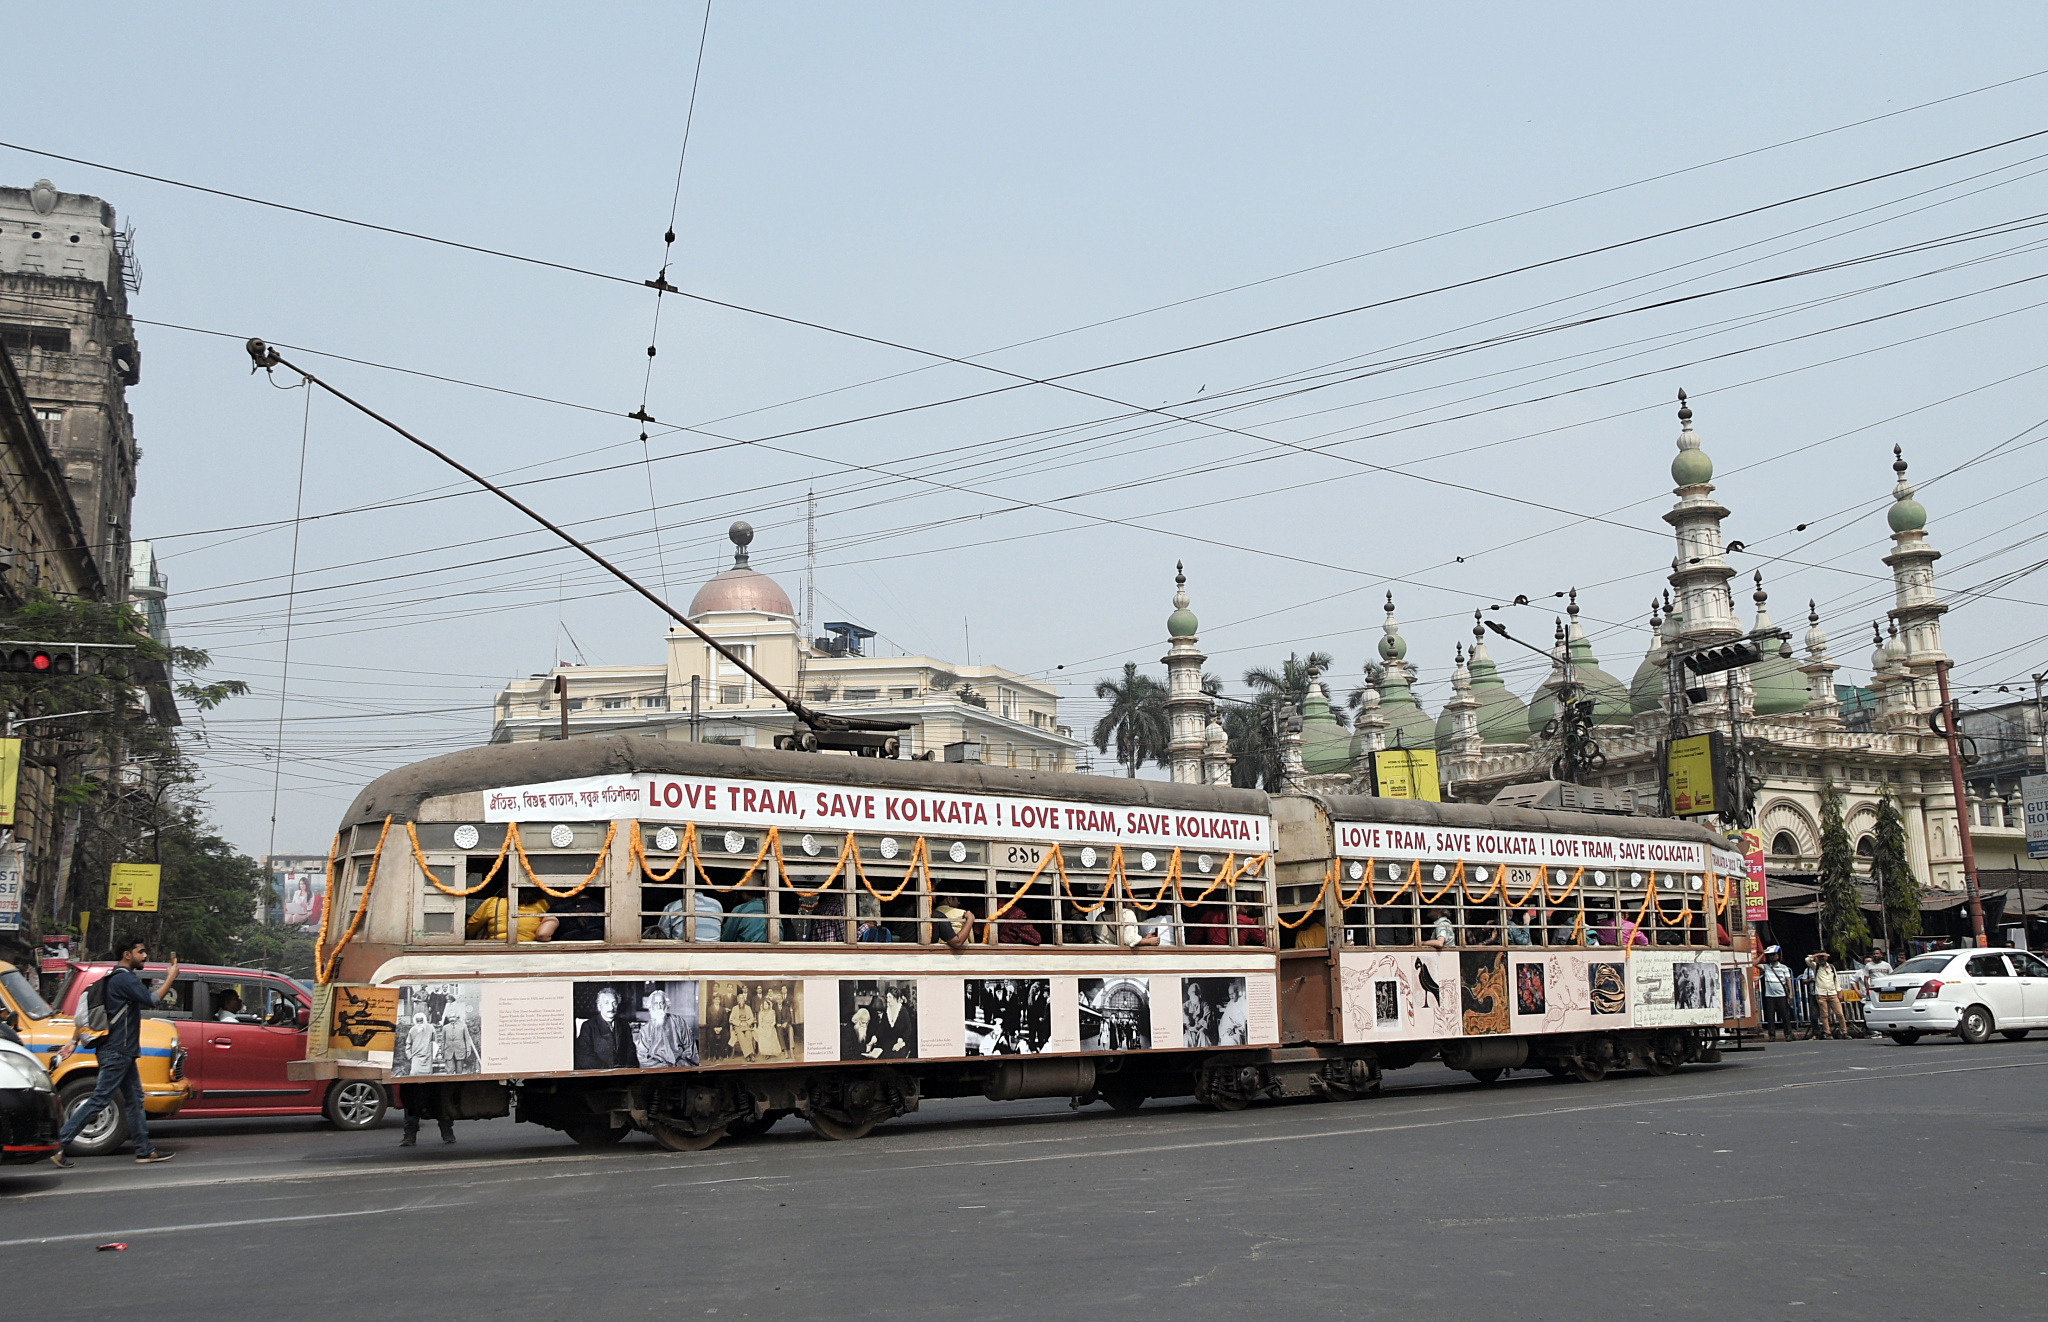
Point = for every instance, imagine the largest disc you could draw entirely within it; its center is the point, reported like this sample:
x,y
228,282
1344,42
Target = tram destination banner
x,y
1380,841
795,805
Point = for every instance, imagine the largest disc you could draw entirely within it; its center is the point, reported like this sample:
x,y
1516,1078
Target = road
x,y
1815,1180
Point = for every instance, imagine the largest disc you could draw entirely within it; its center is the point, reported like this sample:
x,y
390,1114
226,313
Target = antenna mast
x,y
810,560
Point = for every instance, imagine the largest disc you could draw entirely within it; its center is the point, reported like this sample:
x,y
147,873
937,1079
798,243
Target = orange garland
x,y
512,833
323,971
420,858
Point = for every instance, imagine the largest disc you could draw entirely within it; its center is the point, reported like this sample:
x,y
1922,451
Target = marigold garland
x,y
323,972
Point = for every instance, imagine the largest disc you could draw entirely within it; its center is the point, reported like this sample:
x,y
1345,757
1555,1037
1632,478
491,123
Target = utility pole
x,y
2041,718
696,726
562,700
1955,774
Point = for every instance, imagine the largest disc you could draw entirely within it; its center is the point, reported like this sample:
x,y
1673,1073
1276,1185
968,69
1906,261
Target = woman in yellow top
x,y
535,922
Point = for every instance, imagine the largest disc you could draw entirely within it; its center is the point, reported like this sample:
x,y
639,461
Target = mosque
x,y
1800,732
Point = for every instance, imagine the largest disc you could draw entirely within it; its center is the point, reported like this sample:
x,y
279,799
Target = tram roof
x,y
399,793
1483,817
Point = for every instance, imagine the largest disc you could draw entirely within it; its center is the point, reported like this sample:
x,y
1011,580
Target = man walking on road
x,y
1775,981
126,998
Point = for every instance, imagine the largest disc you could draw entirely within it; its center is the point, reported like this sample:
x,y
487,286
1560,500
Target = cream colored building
x,y
749,612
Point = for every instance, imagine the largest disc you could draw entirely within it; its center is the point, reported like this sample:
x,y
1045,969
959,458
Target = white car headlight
x,y
18,1071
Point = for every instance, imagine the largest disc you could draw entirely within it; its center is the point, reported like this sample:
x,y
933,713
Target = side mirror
x,y
304,1016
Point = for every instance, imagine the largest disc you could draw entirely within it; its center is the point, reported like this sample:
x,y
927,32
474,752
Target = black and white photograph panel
x,y
1008,1016
665,1030
1116,1014
1212,1012
877,1019
752,1022
605,1014
1695,986
440,1029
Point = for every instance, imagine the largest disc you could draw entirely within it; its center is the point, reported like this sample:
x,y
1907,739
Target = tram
x,y
612,935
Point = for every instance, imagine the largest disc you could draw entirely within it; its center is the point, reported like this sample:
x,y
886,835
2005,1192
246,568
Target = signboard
x,y
1755,907
56,954
10,778
1690,781
796,805
132,887
12,858
1376,840
1406,773
2034,797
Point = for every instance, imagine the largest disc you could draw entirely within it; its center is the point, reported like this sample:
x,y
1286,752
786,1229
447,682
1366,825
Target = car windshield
x,y
23,993
1924,964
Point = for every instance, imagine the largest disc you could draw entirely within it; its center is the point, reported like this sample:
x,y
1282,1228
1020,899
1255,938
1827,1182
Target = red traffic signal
x,y
40,661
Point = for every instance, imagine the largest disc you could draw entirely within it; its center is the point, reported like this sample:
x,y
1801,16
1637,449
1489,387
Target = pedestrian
x,y
424,1100
1775,981
1827,995
1875,964
126,998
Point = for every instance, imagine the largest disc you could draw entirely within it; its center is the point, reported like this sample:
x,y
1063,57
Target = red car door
x,y
252,1031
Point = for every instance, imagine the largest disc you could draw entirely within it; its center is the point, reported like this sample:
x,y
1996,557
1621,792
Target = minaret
x,y
1463,709
1821,704
1699,573
1216,757
1186,704
1918,609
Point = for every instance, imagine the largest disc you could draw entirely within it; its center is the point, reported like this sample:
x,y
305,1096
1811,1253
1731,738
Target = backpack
x,y
94,1018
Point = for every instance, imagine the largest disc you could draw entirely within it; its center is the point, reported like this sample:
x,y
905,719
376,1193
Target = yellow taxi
x,y
48,1033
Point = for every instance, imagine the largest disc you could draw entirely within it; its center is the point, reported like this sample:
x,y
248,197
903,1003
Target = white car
x,y
1971,993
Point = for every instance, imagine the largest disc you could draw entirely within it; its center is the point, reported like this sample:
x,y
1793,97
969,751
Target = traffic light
x,y
40,662
1741,652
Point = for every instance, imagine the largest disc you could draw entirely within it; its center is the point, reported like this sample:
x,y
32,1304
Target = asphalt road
x,y
1816,1180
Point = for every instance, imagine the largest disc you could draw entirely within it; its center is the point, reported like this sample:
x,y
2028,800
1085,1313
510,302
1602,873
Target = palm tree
x,y
1253,738
1136,718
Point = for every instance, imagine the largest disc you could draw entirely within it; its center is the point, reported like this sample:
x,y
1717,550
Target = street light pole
x,y
1955,773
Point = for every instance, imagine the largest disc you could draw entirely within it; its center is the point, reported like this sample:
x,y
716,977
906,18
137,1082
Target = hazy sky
x,y
1084,185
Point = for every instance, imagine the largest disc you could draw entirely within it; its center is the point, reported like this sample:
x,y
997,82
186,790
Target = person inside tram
x,y
581,916
1015,929
1520,926
675,916
1210,926
868,924
535,923
1443,934
821,917
952,926
746,922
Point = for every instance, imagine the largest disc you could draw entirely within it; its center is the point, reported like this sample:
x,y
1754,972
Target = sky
x,y
1324,301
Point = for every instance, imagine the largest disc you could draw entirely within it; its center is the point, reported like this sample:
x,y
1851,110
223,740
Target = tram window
x,y
959,896
827,913
1084,914
1029,920
579,916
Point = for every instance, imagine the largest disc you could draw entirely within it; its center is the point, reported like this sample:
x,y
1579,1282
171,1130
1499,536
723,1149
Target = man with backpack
x,y
111,1018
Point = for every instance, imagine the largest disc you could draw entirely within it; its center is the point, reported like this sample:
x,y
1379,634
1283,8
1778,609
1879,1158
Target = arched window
x,y
1784,845
1866,847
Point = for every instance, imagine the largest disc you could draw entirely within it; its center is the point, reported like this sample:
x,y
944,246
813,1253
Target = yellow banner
x,y
1689,776
10,778
1407,773
133,886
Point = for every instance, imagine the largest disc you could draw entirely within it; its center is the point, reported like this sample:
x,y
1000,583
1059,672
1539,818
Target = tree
x,y
1254,738
1898,890
1136,718
1841,910
1289,684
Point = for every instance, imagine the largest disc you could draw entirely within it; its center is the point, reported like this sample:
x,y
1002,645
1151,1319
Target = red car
x,y
239,1027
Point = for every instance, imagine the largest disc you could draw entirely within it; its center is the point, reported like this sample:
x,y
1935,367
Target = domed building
x,y
981,713
1800,734
1391,711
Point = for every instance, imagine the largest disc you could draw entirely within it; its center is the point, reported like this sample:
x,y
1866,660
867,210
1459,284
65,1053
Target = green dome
x,y
1325,745
1691,468
1908,515
1180,624
1612,704
1408,726
1779,687
1502,717
1646,690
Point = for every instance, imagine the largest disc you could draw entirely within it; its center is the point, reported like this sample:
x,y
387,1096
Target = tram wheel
x,y
682,1140
1660,1065
597,1134
1123,1099
1557,1071
840,1130
1590,1072
1229,1103
755,1128
1485,1075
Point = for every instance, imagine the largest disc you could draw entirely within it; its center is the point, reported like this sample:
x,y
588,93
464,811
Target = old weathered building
x,y
65,276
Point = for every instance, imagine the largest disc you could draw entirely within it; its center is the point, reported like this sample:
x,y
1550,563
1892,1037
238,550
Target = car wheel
x,y
2014,1034
1904,1039
355,1104
1976,1025
108,1130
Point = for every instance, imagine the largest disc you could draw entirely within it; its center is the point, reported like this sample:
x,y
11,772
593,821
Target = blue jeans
x,y
118,1076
